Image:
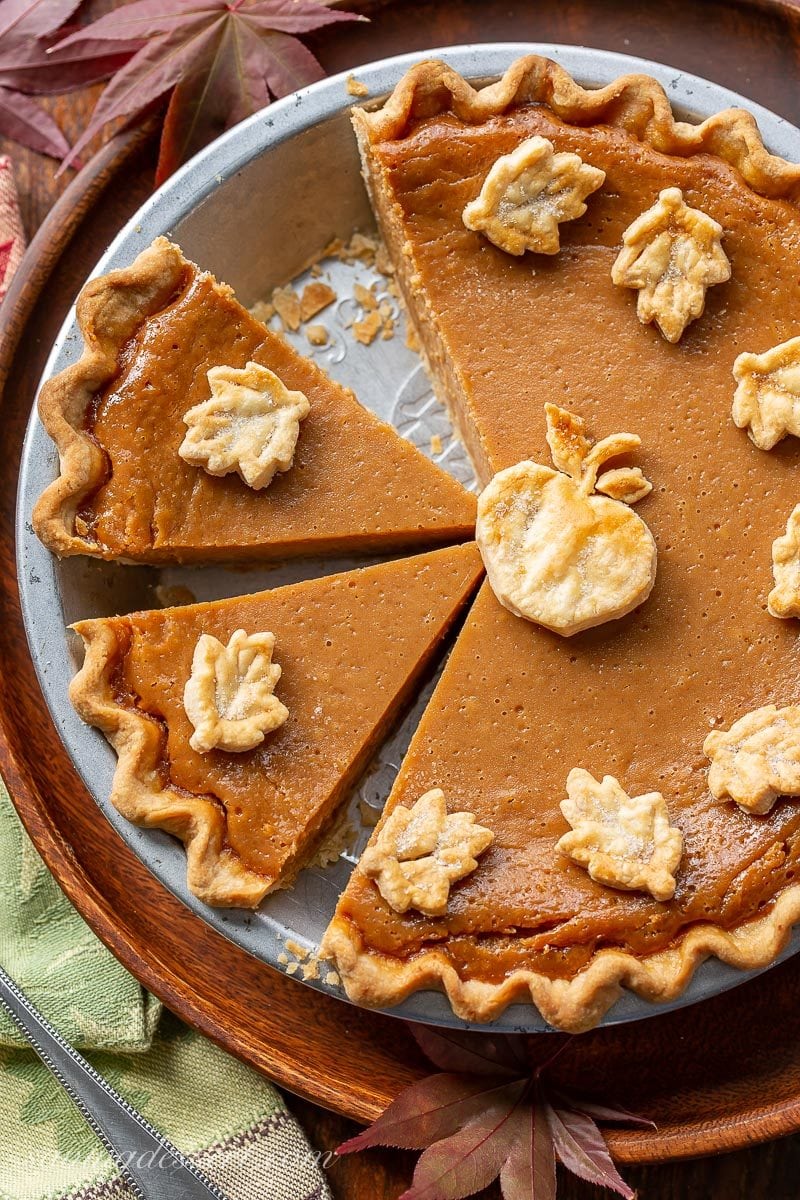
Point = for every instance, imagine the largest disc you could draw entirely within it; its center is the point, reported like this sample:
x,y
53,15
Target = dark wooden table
x,y
765,1172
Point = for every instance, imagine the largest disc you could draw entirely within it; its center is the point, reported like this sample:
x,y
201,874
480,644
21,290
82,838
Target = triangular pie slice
x,y
352,649
515,710
152,331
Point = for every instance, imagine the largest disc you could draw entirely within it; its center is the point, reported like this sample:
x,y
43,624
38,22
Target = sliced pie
x,y
139,482
562,747
351,649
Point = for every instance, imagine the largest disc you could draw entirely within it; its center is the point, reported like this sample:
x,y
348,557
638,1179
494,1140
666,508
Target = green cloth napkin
x,y
215,1109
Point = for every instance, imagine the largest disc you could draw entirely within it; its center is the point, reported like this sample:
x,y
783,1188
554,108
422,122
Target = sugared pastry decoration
x,y
757,759
672,254
228,697
556,553
623,841
527,193
249,425
767,399
421,851
784,599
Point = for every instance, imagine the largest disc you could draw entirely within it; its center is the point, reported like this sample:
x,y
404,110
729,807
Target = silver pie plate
x,y
255,208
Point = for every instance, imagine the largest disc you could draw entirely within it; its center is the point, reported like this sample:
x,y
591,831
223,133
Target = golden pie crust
x,y
436,136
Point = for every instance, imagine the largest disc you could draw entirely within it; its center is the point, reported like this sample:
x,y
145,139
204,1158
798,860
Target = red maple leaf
x,y
28,28
221,60
489,1114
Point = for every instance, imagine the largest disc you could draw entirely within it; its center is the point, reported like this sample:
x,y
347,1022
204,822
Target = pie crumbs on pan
x,y
555,553
784,599
767,398
623,841
528,193
419,852
249,425
757,759
673,254
228,697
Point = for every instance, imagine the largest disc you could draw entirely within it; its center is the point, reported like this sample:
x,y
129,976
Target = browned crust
x,y
573,1005
213,872
109,311
636,103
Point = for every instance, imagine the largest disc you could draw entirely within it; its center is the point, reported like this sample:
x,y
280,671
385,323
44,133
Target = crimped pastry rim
x,y
573,1005
636,103
109,309
213,873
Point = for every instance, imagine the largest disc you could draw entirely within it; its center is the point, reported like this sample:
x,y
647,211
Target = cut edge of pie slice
x,y
379,627
377,979
636,104
421,504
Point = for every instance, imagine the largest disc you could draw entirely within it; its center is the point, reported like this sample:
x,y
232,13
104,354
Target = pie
x,y
638,779
162,338
352,649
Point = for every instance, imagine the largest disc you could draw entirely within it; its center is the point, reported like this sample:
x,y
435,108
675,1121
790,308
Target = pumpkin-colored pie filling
x,y
153,332
352,649
519,707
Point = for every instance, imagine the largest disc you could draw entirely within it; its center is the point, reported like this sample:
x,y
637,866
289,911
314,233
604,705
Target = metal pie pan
x,y
282,184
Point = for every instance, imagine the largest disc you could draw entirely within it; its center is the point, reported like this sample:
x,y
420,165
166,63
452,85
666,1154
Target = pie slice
x,y
617,718
351,648
517,708
153,331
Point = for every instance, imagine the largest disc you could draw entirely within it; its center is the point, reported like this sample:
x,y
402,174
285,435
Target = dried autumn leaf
x,y
580,1146
501,1120
223,60
28,28
432,1109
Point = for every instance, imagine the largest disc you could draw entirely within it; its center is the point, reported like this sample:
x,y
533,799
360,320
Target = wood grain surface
x,y
722,1074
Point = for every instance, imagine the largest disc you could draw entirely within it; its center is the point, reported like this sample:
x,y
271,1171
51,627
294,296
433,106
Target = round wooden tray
x,y
714,1077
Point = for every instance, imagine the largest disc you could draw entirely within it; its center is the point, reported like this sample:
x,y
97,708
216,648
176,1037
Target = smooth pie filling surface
x,y
351,648
518,707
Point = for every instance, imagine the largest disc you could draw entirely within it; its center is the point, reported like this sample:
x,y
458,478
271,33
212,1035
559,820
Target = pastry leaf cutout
x,y
672,254
623,841
784,599
420,851
494,1113
757,759
228,697
528,193
250,425
767,399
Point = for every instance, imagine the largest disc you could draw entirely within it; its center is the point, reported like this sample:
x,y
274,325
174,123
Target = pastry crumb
x,y
173,595
355,87
436,444
388,328
367,330
316,296
332,979
382,261
365,297
296,949
292,968
287,306
263,311
412,339
283,958
317,335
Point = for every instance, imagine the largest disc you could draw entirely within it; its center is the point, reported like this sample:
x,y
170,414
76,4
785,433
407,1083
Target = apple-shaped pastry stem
x,y
557,553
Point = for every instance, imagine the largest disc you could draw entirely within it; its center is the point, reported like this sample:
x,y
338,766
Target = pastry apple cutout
x,y
562,548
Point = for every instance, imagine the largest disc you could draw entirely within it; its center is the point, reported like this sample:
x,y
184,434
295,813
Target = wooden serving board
x,y
714,1077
